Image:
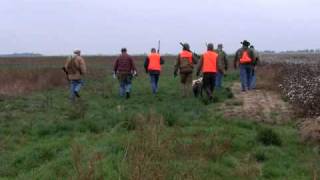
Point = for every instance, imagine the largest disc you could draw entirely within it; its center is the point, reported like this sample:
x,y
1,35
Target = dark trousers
x,y
209,80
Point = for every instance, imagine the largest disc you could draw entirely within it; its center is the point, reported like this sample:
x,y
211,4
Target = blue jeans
x,y
75,86
125,85
219,78
245,76
254,80
154,79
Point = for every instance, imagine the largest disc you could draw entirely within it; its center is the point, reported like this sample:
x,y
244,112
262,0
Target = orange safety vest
x,y
245,57
154,62
210,60
186,55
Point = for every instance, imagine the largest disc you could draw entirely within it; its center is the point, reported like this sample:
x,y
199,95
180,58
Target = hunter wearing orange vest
x,y
152,66
209,66
184,65
244,58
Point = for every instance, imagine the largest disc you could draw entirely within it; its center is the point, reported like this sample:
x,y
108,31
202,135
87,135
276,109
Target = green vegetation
x,y
42,136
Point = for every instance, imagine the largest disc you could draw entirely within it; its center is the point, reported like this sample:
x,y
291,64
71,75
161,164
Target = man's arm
x,y
220,63
225,60
115,66
146,64
252,54
66,64
161,60
133,66
194,60
257,58
200,66
236,59
82,65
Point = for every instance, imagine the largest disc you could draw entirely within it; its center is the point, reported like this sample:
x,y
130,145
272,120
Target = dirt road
x,y
257,105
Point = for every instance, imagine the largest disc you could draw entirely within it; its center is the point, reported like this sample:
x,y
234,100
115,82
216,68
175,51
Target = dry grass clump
x,y
87,169
310,130
22,81
148,151
268,77
153,149
248,168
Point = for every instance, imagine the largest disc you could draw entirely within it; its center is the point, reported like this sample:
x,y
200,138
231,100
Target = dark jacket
x,y
239,54
124,64
146,65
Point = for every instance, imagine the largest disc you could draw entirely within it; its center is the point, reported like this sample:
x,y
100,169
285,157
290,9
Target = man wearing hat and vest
x,y
184,65
75,68
209,66
244,59
224,63
152,66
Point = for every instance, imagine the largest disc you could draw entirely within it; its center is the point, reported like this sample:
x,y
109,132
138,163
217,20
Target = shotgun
x,y
195,54
66,72
159,45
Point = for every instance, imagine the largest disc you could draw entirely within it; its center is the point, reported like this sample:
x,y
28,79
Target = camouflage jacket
x,y
184,68
224,59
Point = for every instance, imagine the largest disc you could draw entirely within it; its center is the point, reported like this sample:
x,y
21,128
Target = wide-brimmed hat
x,y
245,43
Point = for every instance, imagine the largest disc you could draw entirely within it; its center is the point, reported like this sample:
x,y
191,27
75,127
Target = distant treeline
x,y
21,55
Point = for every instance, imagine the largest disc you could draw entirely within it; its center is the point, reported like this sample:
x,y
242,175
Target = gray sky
x,y
104,26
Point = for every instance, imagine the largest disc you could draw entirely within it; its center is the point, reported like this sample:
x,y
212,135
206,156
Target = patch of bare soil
x,y
257,105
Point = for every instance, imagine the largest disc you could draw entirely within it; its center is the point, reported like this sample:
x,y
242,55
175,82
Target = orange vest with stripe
x,y
245,57
186,55
154,62
210,60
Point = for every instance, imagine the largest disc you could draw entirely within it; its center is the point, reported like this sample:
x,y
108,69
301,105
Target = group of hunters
x,y
212,67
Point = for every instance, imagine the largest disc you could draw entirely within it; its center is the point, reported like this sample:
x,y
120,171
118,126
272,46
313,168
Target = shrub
x,y
269,137
260,156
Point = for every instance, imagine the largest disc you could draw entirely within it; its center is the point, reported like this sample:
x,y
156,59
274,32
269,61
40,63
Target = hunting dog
x,y
197,87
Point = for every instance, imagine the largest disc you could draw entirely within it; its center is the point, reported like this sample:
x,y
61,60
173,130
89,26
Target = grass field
x,y
43,136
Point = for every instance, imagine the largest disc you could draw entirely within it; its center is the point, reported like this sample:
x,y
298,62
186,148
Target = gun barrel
x,y
159,45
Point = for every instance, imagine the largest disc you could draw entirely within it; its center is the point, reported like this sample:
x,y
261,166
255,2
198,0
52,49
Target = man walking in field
x,y
184,65
209,66
254,69
75,67
244,58
152,66
224,63
125,70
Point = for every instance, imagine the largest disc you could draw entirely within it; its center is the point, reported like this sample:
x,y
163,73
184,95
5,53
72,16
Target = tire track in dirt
x,y
257,105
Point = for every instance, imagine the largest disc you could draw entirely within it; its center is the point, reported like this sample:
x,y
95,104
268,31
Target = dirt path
x,y
257,105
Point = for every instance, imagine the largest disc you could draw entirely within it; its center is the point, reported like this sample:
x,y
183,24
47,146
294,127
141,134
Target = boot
x,y
77,94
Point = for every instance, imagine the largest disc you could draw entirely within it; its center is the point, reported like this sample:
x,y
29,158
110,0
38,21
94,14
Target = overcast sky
x,y
104,26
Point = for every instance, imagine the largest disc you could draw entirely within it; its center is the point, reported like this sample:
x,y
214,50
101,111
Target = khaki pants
x,y
186,81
